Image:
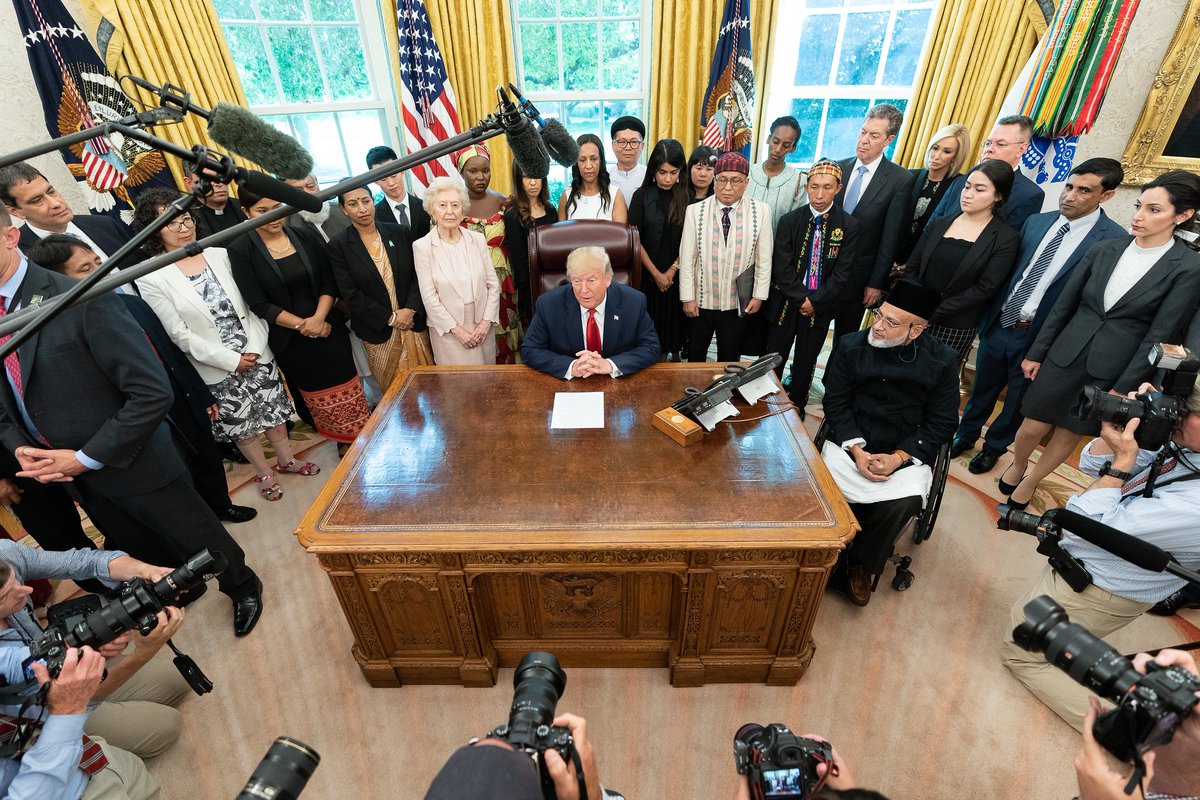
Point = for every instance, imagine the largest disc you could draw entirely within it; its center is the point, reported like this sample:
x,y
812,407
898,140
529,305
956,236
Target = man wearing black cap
x,y
628,140
891,400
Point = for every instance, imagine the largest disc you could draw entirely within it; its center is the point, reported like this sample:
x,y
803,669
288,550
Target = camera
x,y
538,683
1159,412
1149,707
283,772
1048,534
777,763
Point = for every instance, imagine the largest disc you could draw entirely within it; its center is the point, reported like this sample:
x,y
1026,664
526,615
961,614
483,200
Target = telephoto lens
x,y
283,772
538,682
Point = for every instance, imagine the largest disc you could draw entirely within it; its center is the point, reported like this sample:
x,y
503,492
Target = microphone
x,y
558,141
527,148
1134,550
263,184
240,130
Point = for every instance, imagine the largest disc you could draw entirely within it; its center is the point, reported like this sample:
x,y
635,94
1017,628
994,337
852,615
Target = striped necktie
x,y
1012,308
11,362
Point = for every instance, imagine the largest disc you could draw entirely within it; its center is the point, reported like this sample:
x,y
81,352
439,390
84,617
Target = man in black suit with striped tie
x,y
397,206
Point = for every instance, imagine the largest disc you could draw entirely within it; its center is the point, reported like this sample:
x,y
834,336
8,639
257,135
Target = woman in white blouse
x,y
591,194
1124,296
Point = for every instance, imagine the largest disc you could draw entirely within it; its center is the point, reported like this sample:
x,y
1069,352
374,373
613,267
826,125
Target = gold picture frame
x,y
1161,139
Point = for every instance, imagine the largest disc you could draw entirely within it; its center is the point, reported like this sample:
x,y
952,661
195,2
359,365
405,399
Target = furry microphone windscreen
x,y
248,135
562,146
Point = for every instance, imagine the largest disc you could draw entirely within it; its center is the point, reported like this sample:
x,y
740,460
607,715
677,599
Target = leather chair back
x,y
549,246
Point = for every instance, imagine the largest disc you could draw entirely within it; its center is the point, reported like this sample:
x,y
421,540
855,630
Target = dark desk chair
x,y
922,523
549,246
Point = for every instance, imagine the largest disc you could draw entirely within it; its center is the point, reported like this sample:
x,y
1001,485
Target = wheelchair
x,y
922,524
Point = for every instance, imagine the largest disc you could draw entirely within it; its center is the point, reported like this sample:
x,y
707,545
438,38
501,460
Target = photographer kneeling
x,y
139,693
1150,495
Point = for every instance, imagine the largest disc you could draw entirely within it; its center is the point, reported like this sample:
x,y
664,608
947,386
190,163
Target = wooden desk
x,y
462,532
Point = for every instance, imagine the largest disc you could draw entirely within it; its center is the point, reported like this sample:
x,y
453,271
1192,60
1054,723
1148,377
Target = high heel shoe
x,y
1008,488
1013,505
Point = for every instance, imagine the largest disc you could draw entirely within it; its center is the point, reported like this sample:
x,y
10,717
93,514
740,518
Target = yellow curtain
x,y
171,41
978,49
476,40
685,36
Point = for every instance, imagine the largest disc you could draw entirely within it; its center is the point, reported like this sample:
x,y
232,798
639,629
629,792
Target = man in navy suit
x,y
591,326
1051,245
398,205
1008,141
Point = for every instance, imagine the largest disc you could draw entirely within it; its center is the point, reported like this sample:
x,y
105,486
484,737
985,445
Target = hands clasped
x,y
588,363
877,467
473,338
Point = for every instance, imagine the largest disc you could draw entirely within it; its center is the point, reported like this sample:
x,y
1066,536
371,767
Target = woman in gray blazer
x,y
1123,297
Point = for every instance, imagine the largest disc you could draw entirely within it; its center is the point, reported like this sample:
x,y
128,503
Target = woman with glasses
x,y
206,316
459,287
969,256
591,195
699,175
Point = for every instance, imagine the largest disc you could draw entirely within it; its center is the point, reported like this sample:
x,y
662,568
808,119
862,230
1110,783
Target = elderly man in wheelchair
x,y
891,405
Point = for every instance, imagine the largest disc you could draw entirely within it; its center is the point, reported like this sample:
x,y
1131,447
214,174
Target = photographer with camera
x,y
1151,495
773,762
140,692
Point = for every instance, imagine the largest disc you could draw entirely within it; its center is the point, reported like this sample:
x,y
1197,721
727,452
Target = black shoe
x,y
237,513
983,462
247,611
1184,598
960,446
1008,488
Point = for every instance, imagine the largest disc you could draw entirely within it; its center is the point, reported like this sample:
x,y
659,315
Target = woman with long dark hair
x,y
699,176
528,208
590,195
1125,295
657,211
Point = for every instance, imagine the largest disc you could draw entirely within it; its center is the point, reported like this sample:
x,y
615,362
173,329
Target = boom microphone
x,y
562,146
265,185
527,148
1134,550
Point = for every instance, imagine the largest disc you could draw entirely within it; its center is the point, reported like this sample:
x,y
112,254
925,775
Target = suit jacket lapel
x,y
1163,267
881,178
573,313
1101,274
366,265
1037,232
612,318
182,286
979,249
35,288
261,247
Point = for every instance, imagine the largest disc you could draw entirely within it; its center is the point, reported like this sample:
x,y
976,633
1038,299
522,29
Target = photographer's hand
x,y
123,568
1124,447
73,689
117,646
1097,779
1178,762
144,648
843,779
566,785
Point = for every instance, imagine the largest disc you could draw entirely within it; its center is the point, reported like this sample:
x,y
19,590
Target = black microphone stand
x,y
32,318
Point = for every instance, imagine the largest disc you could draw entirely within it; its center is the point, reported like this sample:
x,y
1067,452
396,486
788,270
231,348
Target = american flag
x,y
730,93
427,102
714,132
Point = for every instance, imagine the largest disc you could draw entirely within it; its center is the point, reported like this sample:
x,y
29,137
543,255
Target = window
x,y
834,59
313,69
582,62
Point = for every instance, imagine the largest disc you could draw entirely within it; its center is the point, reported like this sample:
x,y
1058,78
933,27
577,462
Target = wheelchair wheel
x,y
903,579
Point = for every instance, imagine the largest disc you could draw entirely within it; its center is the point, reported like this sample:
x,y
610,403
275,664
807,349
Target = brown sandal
x,y
307,469
273,491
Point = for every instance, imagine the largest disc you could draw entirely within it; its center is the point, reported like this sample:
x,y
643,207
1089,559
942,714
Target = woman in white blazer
x,y
204,314
459,287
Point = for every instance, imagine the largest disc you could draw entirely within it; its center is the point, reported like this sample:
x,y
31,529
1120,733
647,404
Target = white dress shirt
x,y
1135,262
583,320
872,168
1079,229
397,205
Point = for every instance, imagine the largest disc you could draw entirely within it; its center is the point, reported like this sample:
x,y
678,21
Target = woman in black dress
x,y
657,210
285,278
529,208
1125,295
700,173
968,257
948,150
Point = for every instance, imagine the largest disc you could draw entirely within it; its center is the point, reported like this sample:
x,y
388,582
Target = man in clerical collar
x,y
891,400
218,211
813,256
628,141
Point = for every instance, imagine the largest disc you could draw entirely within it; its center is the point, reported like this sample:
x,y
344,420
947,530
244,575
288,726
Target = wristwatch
x,y
1116,473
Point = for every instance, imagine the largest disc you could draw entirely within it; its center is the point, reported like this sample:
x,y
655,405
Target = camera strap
x,y
579,776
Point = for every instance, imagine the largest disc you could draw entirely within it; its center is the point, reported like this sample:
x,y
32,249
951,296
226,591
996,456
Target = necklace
x,y
375,250
279,253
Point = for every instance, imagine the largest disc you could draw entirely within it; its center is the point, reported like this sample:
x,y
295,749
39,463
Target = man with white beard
x,y
891,400
324,223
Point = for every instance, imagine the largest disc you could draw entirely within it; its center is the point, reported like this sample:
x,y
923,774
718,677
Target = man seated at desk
x,y
891,400
591,326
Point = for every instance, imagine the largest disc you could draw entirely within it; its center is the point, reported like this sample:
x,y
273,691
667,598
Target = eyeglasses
x,y
890,324
181,223
730,181
627,144
999,145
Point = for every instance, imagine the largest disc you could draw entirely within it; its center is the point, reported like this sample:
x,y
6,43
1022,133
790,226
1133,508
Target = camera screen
x,y
782,783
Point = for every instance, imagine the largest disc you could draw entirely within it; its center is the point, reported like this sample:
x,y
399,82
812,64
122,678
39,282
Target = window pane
x,y
583,117
861,49
622,63
807,110
558,179
333,10
233,9
842,125
580,53
345,66
539,57
281,9
361,130
622,8
298,70
581,8
537,9
824,3
908,37
319,135
250,57
818,38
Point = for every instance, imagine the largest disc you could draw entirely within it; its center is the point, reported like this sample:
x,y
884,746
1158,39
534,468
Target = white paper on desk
x,y
578,410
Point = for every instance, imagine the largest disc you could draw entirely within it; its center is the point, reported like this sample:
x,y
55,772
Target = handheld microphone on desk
x,y
527,148
562,146
242,131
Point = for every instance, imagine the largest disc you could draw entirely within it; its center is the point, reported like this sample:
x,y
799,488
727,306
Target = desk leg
x,y
368,648
797,649
686,668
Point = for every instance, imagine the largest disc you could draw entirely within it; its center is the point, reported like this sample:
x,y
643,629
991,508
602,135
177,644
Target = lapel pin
x,y
616,317
37,298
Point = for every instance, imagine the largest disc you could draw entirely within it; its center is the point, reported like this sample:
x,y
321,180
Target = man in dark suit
x,y
30,197
325,223
812,258
875,191
218,211
398,206
1051,245
84,401
1008,142
591,326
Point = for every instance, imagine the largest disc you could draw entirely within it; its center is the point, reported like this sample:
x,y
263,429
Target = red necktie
x,y
91,761
593,332
11,363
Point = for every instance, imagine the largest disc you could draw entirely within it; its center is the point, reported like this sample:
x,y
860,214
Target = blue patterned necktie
x,y
1012,307
812,277
854,191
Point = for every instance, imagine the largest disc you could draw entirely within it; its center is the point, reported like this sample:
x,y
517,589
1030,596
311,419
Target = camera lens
x,y
1072,648
538,682
283,772
1042,615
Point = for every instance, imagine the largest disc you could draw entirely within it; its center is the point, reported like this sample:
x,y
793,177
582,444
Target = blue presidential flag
x,y
77,93
727,118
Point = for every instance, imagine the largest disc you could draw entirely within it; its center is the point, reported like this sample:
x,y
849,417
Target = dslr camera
x,y
538,683
1159,412
777,763
1149,707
